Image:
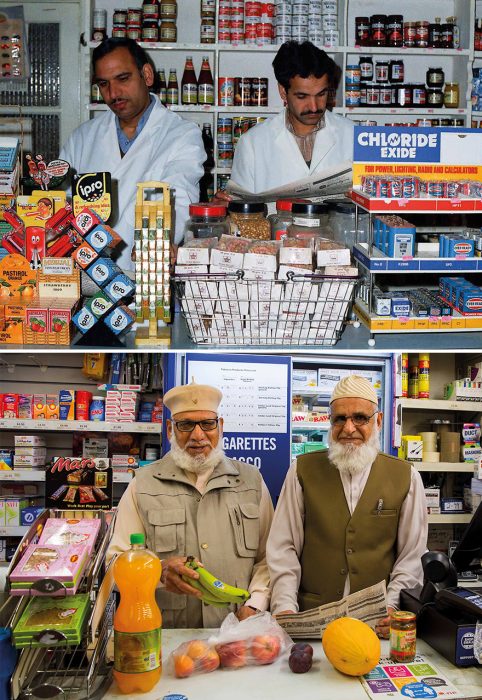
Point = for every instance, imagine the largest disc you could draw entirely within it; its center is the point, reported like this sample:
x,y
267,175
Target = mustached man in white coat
x,y
305,137
137,139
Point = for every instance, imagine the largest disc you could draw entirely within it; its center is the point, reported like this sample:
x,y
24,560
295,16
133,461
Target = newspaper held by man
x,y
368,605
332,181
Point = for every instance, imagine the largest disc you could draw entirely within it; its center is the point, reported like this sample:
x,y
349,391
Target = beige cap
x,y
354,387
192,397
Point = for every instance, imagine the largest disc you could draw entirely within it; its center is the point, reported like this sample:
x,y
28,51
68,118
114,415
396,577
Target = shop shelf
x,y
449,518
379,263
416,324
408,111
22,475
78,425
18,531
442,405
461,467
309,391
310,425
404,51
416,205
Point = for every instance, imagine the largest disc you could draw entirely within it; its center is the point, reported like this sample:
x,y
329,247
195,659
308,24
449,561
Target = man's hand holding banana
x,y
174,574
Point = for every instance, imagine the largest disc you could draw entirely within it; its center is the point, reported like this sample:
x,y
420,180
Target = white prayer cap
x,y
354,387
192,397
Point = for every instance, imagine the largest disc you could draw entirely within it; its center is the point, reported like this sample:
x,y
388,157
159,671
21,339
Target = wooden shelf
x,y
449,518
461,467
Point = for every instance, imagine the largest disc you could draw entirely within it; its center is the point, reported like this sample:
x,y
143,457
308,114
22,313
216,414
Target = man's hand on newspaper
x,y
285,612
382,628
222,197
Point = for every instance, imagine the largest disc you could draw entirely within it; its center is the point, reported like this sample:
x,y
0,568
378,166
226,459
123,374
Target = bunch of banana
x,y
214,592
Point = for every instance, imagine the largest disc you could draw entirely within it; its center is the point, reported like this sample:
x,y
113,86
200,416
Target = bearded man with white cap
x,y
347,517
196,501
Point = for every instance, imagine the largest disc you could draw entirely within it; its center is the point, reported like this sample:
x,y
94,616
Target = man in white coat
x,y
305,137
137,139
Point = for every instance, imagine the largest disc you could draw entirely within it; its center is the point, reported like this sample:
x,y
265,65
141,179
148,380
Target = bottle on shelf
x,y
455,32
205,89
137,620
162,88
189,84
208,142
172,96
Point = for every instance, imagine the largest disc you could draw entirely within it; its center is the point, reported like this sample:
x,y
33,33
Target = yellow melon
x,y
351,646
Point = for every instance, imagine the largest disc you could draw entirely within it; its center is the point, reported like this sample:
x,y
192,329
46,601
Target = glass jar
x,y
451,95
342,223
378,30
280,221
403,636
362,31
168,31
395,30
247,219
396,72
99,25
435,78
309,221
419,95
409,34
167,9
381,71
206,221
435,97
446,36
366,69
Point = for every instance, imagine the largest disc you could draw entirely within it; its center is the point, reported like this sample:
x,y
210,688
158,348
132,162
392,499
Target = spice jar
x,y
435,78
283,218
309,221
247,220
451,95
206,221
435,97
403,632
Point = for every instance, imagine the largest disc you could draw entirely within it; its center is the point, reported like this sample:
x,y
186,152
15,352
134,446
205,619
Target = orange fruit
x,y
197,649
183,666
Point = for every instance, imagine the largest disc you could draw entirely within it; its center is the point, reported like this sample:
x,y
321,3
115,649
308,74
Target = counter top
x,y
277,682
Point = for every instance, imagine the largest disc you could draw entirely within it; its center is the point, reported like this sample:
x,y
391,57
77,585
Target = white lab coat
x,y
168,149
267,156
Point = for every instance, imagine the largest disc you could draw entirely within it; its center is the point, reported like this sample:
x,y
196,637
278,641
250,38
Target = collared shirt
x,y
305,143
124,142
286,539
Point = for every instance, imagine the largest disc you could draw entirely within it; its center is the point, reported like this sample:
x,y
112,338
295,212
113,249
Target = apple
x,y
210,661
232,654
265,648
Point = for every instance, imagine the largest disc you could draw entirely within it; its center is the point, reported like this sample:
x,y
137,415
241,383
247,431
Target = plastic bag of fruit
x,y
195,656
255,641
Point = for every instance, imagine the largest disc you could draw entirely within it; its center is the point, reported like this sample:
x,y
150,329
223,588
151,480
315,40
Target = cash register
x,y
447,613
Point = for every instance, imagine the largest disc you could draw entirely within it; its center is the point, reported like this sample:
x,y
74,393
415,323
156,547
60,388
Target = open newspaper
x,y
333,181
368,605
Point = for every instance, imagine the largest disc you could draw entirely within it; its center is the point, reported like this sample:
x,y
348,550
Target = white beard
x,y
195,465
353,459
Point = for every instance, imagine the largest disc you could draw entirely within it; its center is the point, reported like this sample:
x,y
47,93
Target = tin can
x,y
373,95
329,7
224,129
385,95
404,368
412,383
242,91
316,36
267,9
252,9
224,36
237,36
352,75
225,155
264,33
421,34
424,376
410,187
226,92
435,188
352,96
331,38
403,636
419,95
409,34
259,92
330,22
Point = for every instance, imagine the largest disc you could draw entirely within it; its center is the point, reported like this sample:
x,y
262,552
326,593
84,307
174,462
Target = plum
x,y
302,647
300,662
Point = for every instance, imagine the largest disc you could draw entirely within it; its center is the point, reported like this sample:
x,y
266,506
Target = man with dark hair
x,y
137,139
306,136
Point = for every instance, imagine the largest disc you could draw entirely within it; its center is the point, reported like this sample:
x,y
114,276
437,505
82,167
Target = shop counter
x,y
277,682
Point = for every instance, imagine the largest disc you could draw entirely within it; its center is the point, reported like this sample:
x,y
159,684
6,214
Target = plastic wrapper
x,y
264,247
297,243
201,242
257,640
233,244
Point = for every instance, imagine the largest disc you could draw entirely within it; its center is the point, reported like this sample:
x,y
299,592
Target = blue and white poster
x,y
256,408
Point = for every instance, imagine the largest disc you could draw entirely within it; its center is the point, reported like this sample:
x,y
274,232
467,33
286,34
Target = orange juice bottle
x,y
137,620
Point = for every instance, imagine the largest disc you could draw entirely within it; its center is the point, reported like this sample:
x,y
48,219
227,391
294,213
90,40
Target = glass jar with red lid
x,y
207,220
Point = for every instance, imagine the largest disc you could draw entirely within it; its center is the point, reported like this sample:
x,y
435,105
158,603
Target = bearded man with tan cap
x,y
347,517
196,501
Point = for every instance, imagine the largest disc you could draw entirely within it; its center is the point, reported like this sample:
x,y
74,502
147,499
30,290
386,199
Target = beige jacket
x,y
225,524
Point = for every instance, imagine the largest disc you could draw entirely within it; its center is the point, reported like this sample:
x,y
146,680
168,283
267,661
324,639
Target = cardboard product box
x,y
255,261
25,406
30,514
95,447
67,404
52,406
304,378
29,440
289,255
39,406
337,255
297,448
432,497
6,460
452,505
192,256
31,451
2,512
230,261
13,507
28,460
412,447
314,446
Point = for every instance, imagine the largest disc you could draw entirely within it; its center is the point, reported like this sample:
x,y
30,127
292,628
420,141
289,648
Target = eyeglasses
x,y
358,419
187,426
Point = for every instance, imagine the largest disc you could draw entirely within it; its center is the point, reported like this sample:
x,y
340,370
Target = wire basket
x,y
228,309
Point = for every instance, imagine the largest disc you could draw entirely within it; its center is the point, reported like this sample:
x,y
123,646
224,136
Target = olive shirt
x,y
285,543
214,518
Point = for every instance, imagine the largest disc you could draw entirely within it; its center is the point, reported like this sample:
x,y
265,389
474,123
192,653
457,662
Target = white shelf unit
x,y
247,60
79,426
455,467
449,519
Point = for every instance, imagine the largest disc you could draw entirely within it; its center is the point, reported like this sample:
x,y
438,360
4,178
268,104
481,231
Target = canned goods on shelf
x,y
329,7
226,92
330,22
373,95
225,155
352,75
300,21
224,129
352,97
331,39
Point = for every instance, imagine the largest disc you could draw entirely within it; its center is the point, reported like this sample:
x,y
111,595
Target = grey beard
x,y
195,465
353,459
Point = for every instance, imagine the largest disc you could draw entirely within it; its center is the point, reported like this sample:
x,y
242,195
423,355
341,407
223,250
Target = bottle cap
x,y
138,538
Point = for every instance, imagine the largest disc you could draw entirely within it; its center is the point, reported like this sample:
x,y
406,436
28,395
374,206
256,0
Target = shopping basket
x,y
231,309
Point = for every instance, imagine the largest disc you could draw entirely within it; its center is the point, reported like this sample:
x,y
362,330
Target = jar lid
x,y
246,207
308,208
438,68
207,209
286,204
344,208
402,615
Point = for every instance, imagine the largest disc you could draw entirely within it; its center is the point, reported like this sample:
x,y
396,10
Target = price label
x,y
42,425
3,423
63,425
83,426
19,424
3,531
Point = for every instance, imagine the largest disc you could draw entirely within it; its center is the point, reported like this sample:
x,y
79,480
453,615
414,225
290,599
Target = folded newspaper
x,y
323,184
368,605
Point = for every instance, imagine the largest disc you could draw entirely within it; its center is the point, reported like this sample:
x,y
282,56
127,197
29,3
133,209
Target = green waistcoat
x,y
362,545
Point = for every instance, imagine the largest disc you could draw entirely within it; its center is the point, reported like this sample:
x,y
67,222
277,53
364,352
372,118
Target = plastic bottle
x,y
189,84
137,620
8,654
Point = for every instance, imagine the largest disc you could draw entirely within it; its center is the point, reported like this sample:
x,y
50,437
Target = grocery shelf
x,y
379,263
122,477
417,205
310,425
449,518
309,391
462,467
18,531
455,323
405,111
402,51
442,405
78,425
22,475
211,109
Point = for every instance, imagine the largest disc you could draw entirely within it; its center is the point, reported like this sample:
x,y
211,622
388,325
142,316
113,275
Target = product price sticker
x,y
418,679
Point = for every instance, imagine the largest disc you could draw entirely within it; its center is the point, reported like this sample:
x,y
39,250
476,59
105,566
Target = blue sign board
x,y
376,144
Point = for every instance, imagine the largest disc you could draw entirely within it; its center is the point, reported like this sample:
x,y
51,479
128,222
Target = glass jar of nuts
x,y
248,220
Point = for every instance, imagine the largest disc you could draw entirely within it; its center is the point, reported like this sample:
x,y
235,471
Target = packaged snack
x,y
43,617
233,244
264,248
67,531
86,494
